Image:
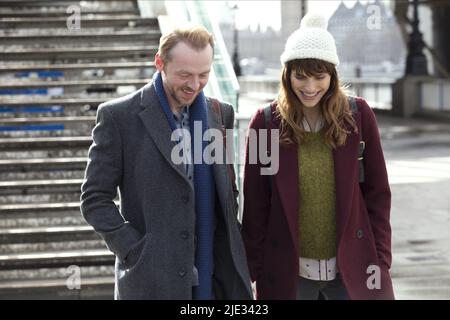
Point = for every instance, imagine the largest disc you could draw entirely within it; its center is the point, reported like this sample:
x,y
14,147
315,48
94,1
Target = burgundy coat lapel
x,y
286,182
346,176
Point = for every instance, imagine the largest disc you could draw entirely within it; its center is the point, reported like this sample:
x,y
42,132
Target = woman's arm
x,y
375,189
256,199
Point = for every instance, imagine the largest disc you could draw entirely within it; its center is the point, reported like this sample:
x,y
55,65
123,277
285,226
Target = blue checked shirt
x,y
182,122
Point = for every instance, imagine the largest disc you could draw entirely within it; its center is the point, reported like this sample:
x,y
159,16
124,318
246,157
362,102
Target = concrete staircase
x,y
52,79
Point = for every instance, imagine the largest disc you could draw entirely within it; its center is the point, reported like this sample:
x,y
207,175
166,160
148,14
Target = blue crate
x,y
32,109
38,127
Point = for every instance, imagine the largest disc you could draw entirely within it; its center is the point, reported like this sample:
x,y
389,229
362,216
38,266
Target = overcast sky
x,y
267,13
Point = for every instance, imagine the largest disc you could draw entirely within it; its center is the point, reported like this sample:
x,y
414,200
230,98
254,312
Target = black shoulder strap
x,y
353,105
362,143
268,115
268,119
218,109
216,105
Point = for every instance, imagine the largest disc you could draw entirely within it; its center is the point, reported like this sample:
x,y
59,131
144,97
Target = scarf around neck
x,y
204,190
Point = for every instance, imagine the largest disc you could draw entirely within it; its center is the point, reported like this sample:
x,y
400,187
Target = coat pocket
x,y
135,252
135,276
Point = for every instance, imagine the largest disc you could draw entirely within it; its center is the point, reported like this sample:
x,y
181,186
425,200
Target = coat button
x,y
182,273
359,233
185,199
184,234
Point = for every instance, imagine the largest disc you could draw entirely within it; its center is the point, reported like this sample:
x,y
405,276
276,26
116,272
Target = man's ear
x,y
159,64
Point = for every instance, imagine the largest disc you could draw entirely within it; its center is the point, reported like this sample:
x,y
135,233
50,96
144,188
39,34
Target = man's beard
x,y
178,101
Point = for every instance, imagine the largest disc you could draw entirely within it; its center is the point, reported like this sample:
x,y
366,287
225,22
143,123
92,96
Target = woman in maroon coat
x,y
319,226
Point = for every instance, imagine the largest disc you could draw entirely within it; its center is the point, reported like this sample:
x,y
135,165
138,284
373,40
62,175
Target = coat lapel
x,y
346,175
156,124
286,181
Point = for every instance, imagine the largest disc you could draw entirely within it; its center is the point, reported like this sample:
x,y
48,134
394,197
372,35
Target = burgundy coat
x,y
270,233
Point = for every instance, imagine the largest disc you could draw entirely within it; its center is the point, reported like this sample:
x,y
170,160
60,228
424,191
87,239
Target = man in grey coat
x,y
176,235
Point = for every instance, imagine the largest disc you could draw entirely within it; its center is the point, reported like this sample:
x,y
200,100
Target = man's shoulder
x,y
128,102
119,103
226,108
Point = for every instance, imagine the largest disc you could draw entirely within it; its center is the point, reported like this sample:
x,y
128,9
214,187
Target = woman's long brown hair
x,y
334,104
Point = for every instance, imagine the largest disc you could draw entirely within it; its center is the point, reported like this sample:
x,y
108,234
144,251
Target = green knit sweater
x,y
317,221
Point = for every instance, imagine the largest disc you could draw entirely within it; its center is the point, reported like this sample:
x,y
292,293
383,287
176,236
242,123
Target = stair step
x,y
66,102
35,3
29,121
87,22
25,165
40,198
38,3
71,36
39,207
45,283
17,144
35,220
63,4
78,53
54,259
47,234
85,13
27,187
73,83
96,288
55,273
77,66
40,183
43,153
22,175
36,247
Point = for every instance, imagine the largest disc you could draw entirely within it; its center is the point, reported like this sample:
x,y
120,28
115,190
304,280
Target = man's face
x,y
185,74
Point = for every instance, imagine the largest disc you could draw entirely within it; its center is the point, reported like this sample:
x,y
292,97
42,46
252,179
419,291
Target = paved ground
x,y
417,153
418,159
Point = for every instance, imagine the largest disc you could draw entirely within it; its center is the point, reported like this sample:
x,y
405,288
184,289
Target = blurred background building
x,y
374,52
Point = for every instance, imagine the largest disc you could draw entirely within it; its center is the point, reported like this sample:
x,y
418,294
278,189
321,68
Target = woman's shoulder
x,y
362,104
259,118
362,107
368,117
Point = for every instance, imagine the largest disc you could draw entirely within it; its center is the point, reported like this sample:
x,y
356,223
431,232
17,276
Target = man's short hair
x,y
196,37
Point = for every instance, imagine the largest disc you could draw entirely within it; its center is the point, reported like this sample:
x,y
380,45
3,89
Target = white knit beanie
x,y
311,40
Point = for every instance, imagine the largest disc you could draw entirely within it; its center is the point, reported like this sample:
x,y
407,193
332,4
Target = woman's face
x,y
310,90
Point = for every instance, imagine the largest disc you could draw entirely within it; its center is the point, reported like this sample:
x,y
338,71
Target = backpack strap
x,y
353,104
268,119
362,144
216,105
268,115
217,108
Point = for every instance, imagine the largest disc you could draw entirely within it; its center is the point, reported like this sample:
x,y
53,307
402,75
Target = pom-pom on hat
x,y
311,40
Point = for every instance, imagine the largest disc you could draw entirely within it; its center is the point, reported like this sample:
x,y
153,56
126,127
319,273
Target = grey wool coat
x,y
152,235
